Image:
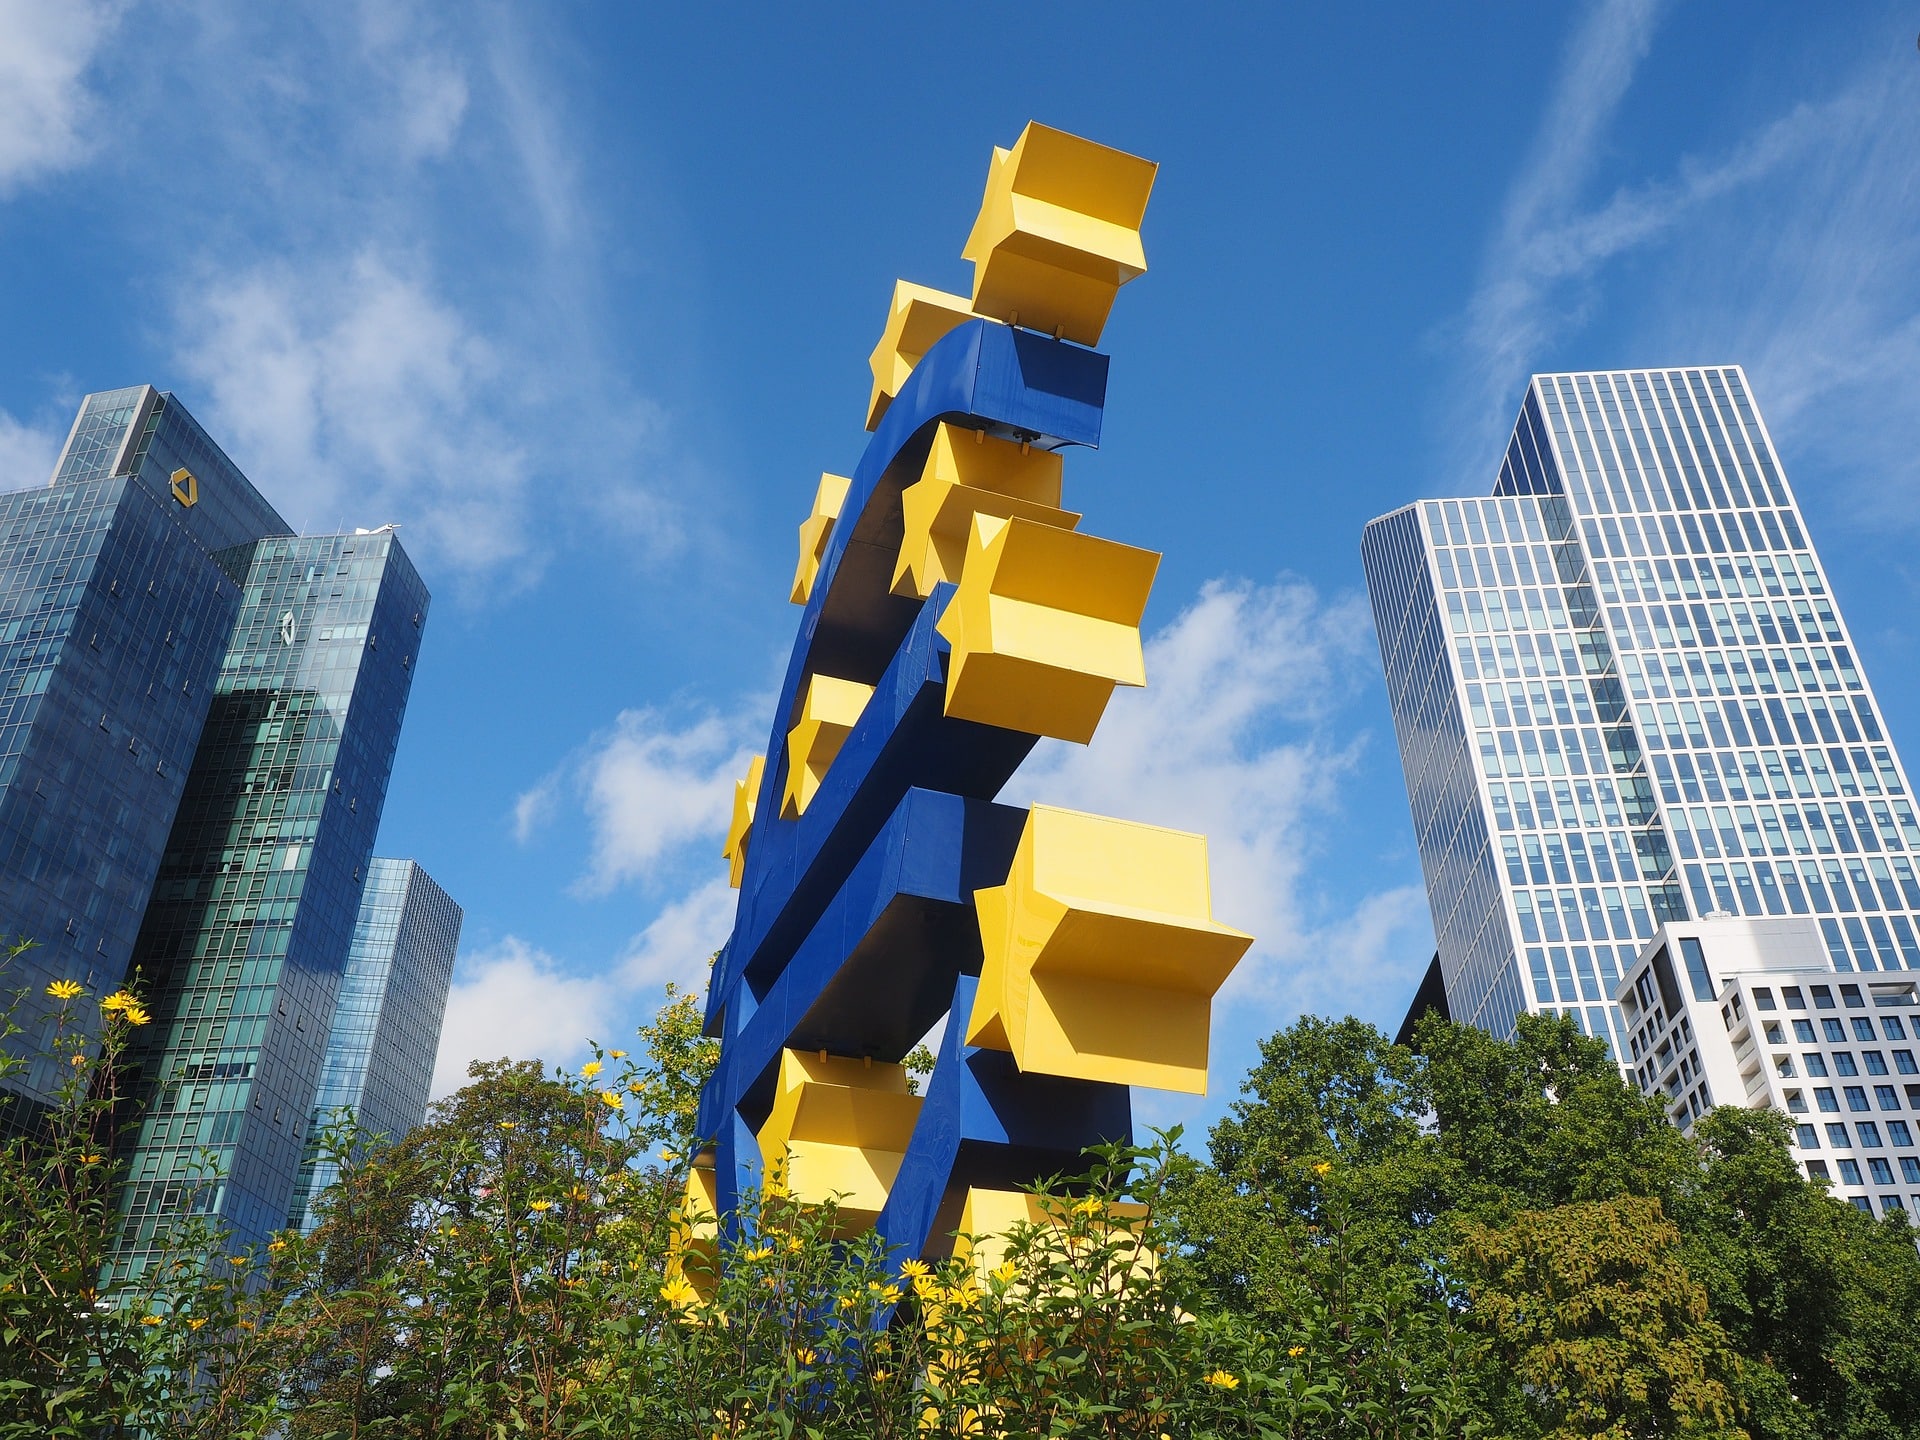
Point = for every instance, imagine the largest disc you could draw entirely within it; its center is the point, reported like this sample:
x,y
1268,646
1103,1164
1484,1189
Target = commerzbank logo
x,y
185,488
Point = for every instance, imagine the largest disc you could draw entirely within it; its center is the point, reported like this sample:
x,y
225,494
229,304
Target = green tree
x,y
1600,1330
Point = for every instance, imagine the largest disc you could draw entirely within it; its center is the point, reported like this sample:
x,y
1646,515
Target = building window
x,y
1817,1170
1837,1135
1890,1205
1843,1063
1816,1065
1835,1032
1903,1062
1857,1098
1803,1031
1888,1097
1796,1102
1868,1132
1875,1062
1809,1137
1910,1169
1849,1172
1826,1100
1881,1171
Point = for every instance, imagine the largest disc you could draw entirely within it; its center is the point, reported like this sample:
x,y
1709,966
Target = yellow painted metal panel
x,y
1101,954
918,316
1044,623
746,794
1058,233
815,531
827,716
837,1131
970,473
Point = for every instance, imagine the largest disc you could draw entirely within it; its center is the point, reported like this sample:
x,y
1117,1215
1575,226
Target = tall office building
x,y
247,936
393,998
114,615
198,718
1624,696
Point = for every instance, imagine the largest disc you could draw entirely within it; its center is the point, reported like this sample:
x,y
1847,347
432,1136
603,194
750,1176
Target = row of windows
x,y
1886,1096
1844,1064
1736,830
1578,973
1891,1026
1866,1135
1781,775
1596,912
1524,656
1661,440
1569,804
1572,856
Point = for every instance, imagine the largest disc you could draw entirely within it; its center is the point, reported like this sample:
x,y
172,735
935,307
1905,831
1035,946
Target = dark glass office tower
x,y
386,1023
114,615
247,937
1624,695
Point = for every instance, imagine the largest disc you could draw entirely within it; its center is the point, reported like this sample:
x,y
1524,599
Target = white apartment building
x,y
1752,1012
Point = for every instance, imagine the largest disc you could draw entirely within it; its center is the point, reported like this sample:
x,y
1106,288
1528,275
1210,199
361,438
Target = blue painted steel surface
x,y
855,929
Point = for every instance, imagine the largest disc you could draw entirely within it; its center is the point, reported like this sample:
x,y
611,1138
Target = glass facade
x,y
251,921
386,1023
1623,695
113,618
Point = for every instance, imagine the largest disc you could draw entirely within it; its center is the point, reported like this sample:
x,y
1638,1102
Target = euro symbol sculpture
x,y
954,614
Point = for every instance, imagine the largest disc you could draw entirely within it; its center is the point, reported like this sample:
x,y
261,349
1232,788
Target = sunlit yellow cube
x,y
918,316
827,715
815,531
838,1131
1044,623
746,794
1102,956
968,473
1058,233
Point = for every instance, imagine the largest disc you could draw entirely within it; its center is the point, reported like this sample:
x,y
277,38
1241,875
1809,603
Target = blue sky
x,y
582,295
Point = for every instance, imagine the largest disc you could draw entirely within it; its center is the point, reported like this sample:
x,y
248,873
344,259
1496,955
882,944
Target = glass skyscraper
x,y
1623,694
247,936
114,615
386,1022
198,717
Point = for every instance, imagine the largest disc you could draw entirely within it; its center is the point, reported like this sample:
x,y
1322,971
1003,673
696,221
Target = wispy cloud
x,y
387,295
1811,279
47,106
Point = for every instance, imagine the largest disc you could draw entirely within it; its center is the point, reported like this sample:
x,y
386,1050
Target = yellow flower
x,y
759,1252
134,1015
590,1069
610,1099
1223,1380
78,1061
149,1319
509,1124
64,989
1088,1206
633,1087
678,1292
119,1000
543,1205
274,1247
1322,1167
891,1295
914,1269
578,1194
794,1245
1005,1271
89,1159
238,1262
196,1322
617,1054
1293,1350
846,1302
805,1357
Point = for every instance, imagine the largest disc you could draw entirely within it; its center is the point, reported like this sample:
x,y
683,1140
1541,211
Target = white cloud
x,y
45,105
651,791
1238,736
27,453
515,1001
534,808
677,944
356,395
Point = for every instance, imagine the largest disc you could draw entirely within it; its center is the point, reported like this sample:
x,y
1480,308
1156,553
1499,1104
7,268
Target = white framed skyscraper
x,y
1623,694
